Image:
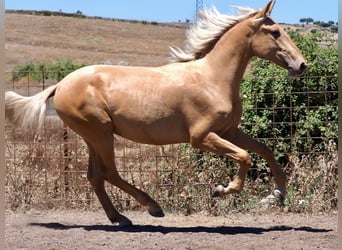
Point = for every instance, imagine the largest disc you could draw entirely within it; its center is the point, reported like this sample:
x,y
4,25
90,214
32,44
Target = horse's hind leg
x,y
96,179
143,198
105,149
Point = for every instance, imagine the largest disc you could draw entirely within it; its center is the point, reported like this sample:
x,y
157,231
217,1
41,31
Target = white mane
x,y
203,35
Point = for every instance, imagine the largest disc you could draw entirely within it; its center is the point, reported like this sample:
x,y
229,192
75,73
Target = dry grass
x,y
313,181
48,170
32,38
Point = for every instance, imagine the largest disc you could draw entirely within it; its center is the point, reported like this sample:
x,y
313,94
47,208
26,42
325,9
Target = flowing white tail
x,y
27,112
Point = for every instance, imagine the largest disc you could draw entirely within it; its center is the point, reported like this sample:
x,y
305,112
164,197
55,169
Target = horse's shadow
x,y
224,230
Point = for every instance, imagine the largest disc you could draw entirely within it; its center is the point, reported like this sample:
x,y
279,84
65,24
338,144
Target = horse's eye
x,y
275,33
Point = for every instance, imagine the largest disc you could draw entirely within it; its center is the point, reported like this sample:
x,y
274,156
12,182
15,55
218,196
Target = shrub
x,y
43,71
300,112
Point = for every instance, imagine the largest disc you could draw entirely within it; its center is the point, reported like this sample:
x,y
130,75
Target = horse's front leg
x,y
244,141
213,143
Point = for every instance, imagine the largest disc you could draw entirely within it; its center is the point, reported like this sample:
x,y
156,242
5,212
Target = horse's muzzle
x,y
297,72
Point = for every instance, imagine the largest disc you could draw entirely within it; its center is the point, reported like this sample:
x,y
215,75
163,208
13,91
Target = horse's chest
x,y
229,117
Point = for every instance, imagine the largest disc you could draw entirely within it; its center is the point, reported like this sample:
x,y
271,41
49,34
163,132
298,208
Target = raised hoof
x,y
157,213
219,190
225,185
216,194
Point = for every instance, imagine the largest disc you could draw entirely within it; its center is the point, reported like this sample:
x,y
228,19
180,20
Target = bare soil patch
x,y
91,230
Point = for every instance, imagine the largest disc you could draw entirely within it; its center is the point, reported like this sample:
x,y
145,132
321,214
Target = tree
x,y
306,20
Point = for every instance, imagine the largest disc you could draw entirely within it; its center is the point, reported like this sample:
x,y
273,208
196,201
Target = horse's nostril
x,y
303,66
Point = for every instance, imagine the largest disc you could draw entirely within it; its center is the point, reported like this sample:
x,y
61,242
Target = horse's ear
x,y
268,8
265,12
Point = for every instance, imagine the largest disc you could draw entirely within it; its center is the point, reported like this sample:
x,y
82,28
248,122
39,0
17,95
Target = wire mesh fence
x,y
48,169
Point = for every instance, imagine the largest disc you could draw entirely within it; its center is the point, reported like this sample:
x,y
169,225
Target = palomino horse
x,y
195,99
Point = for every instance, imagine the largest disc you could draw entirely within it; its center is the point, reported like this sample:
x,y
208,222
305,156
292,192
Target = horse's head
x,y
271,42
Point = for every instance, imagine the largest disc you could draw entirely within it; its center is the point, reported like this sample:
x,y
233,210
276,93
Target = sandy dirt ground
x,y
55,230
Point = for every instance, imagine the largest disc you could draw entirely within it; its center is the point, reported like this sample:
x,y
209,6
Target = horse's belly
x,y
159,132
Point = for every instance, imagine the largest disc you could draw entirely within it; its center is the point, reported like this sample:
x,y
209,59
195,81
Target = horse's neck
x,y
229,58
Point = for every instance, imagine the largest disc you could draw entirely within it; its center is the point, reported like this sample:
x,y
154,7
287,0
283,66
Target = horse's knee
x,y
244,158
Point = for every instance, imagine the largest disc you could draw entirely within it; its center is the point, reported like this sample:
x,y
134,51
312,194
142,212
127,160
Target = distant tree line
x,y
330,24
48,13
79,14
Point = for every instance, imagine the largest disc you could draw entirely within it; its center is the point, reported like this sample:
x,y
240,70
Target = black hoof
x,y
158,213
219,189
279,197
215,194
123,221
